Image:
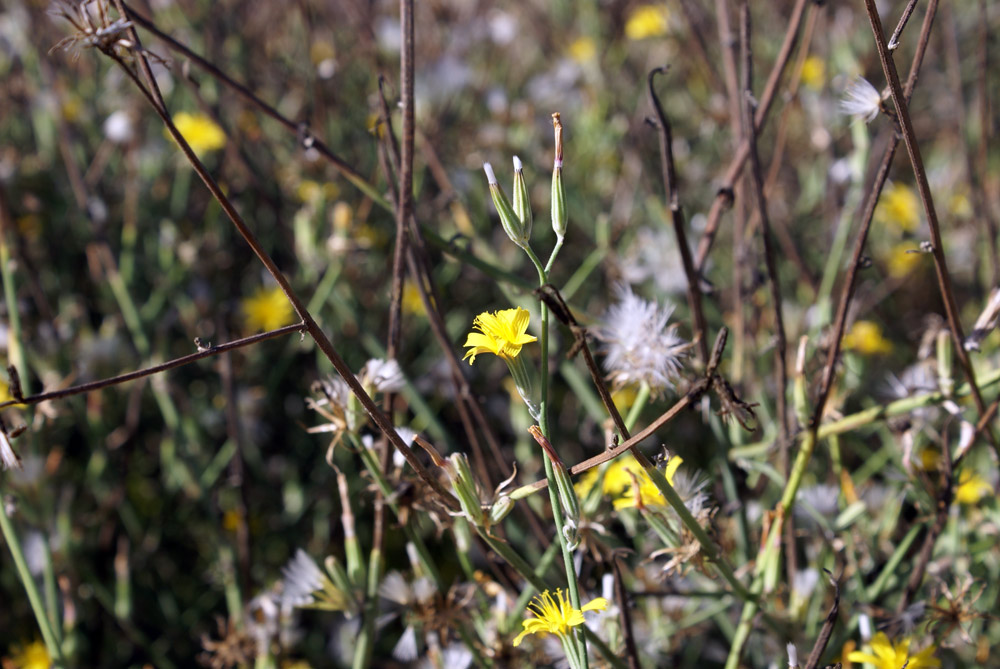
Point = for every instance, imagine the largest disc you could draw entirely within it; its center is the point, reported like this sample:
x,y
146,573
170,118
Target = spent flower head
x,y
639,347
861,100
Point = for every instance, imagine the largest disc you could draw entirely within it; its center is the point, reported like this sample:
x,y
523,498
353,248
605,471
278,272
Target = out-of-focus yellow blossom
x,y
959,205
555,615
375,125
501,333
971,488
267,309
582,50
866,338
899,207
412,304
311,191
902,260
32,656
648,494
887,655
343,216
647,21
200,132
813,72
231,520
625,397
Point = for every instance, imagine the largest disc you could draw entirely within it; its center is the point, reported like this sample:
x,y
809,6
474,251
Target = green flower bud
x,y
946,378
465,487
508,219
522,203
799,396
559,215
500,509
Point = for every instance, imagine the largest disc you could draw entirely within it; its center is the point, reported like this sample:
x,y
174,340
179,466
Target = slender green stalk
x,y
543,423
34,597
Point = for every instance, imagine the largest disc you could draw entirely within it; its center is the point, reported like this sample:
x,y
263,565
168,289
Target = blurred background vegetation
x,y
150,509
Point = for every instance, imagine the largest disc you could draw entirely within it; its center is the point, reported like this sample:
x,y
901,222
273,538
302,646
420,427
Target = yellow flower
x,y
582,50
268,309
32,656
555,615
502,333
200,131
412,304
972,488
647,494
647,21
616,477
813,72
899,207
901,259
866,338
894,656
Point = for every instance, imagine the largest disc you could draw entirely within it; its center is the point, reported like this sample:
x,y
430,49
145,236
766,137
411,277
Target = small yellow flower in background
x,y
959,205
901,259
32,656
267,309
501,333
813,72
894,656
555,615
866,338
200,132
647,21
582,50
647,494
899,207
411,303
625,397
972,488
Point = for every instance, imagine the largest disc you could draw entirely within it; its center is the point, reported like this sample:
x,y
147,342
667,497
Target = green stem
x,y
543,423
34,597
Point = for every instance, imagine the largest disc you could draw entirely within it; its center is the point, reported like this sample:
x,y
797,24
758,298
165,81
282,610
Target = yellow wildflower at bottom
x,y
888,655
32,656
555,615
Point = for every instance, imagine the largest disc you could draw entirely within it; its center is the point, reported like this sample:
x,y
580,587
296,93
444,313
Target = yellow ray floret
x,y
502,333
555,615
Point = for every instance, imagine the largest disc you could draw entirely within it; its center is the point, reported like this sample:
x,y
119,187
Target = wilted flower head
x,y
861,100
8,458
384,376
305,585
638,345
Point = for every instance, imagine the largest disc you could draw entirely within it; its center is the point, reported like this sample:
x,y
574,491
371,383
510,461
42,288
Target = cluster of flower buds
x,y
516,217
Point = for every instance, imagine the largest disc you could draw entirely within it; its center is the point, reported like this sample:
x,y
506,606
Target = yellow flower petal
x,y
647,21
200,132
502,333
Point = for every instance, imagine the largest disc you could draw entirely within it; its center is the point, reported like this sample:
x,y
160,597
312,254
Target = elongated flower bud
x,y
522,203
567,493
559,215
508,219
